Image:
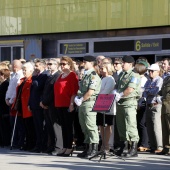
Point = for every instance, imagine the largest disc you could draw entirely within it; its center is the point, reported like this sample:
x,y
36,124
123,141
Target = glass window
x,y
5,53
17,52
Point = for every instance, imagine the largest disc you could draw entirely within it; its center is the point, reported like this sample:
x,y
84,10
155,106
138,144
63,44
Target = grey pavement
x,y
21,160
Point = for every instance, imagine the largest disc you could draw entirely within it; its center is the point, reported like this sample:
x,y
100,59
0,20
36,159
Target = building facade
x,y
49,28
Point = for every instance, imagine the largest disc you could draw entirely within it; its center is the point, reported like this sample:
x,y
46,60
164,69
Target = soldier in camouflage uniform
x,y
127,92
88,90
164,99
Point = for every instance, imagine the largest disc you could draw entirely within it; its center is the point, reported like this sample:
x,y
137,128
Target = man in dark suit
x,y
117,63
118,68
47,103
36,92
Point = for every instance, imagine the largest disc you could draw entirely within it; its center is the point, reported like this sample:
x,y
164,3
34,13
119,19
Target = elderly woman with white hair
x,y
21,104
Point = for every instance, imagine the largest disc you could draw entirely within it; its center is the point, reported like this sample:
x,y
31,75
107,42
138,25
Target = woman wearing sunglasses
x,y
65,89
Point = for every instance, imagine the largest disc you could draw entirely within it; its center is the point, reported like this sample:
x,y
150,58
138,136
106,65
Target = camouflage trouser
x,y
87,120
126,122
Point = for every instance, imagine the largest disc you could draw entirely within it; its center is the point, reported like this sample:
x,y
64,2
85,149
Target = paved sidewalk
x,y
20,160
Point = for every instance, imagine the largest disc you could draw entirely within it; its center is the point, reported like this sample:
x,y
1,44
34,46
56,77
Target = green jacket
x,y
91,80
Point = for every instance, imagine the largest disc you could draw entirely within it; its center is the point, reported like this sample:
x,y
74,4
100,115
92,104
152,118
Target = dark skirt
x,y
108,119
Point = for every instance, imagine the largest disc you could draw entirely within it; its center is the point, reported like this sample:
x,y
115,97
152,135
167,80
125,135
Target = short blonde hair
x,y
108,68
3,65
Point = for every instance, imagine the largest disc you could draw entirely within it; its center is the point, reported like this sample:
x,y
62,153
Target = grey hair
x,y
28,65
54,60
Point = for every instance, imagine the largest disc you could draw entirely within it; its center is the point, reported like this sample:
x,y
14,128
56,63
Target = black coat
x,y
48,93
115,76
36,91
4,108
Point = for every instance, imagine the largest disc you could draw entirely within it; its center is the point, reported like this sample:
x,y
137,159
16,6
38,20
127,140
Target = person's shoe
x,y
15,147
68,152
84,153
35,150
55,152
92,152
157,151
123,149
61,153
133,151
142,149
49,150
165,151
22,148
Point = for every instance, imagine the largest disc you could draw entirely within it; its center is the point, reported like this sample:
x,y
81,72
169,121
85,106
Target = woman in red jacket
x,y
65,89
21,104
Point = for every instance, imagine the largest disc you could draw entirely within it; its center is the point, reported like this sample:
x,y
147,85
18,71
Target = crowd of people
x,y
46,106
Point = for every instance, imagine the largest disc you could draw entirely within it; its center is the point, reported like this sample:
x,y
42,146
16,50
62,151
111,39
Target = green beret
x,y
144,63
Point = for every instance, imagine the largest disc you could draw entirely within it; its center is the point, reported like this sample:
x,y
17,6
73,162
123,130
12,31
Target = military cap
x,y
128,59
89,58
144,63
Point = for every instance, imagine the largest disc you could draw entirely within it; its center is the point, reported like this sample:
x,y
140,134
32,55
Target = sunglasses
x,y
116,63
63,64
49,64
151,71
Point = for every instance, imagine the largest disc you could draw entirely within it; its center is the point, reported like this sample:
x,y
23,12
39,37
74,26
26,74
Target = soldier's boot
x,y
94,150
123,148
84,153
133,151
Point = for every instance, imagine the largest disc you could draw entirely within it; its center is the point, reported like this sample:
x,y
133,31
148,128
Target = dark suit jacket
x,y
4,108
48,93
36,91
116,77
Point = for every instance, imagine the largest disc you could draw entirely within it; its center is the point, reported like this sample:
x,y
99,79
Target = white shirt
x,y
119,71
14,81
143,81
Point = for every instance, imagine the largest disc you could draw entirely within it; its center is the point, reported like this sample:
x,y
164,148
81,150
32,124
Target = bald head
x,y
99,59
16,65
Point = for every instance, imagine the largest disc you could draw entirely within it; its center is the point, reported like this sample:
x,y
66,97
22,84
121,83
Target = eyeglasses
x,y
116,63
63,64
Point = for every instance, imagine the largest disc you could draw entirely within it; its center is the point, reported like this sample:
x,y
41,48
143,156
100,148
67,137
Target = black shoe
x,y
123,150
84,153
21,148
15,147
133,151
165,151
49,150
36,150
68,154
93,152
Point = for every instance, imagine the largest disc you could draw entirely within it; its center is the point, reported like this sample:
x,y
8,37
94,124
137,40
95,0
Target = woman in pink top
x,y
65,89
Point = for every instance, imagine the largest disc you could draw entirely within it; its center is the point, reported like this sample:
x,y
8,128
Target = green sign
x,y
73,48
148,45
